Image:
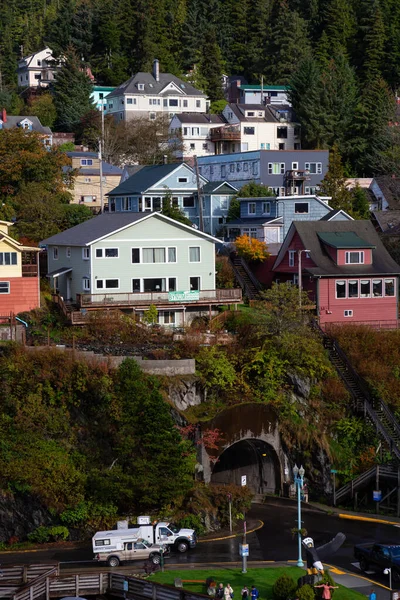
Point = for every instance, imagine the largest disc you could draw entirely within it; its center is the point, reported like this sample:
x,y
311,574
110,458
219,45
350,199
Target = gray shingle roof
x,y
388,220
13,121
152,87
200,118
252,222
382,262
270,113
143,179
213,186
93,229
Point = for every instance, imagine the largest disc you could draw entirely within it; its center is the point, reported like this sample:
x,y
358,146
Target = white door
x,y
271,235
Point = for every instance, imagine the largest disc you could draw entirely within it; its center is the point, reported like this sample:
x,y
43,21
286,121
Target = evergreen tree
x,y
169,209
257,48
210,66
334,183
81,31
58,37
360,203
72,90
305,95
339,25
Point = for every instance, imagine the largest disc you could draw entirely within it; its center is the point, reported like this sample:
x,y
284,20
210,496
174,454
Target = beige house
x,y
87,183
37,69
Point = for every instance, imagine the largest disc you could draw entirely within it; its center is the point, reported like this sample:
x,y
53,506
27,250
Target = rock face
x,y
184,393
20,515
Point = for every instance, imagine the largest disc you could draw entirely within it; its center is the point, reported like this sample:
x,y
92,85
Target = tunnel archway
x,y
254,458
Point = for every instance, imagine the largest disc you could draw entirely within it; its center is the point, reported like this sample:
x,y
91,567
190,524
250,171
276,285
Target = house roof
x,y
390,188
338,211
271,113
82,154
388,221
266,88
214,186
144,179
251,222
107,170
343,240
103,225
132,169
14,121
310,234
153,87
199,118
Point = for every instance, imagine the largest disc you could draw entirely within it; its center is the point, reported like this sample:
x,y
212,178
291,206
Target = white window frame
x,y
200,280
85,253
3,262
267,206
301,213
194,261
86,162
86,284
361,256
8,287
55,253
394,279
104,288
103,253
295,166
182,179
348,313
128,201
253,204
345,289
292,258
223,203
153,248
318,168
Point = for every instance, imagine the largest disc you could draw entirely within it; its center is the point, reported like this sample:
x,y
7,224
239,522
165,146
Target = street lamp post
x,y
298,480
300,282
388,571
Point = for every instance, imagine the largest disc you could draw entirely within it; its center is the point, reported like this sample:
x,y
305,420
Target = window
x,y
251,208
86,253
281,132
111,252
10,258
266,208
4,287
301,208
292,254
245,166
198,104
365,288
354,258
194,283
353,288
265,146
182,179
169,317
68,252
348,313
86,284
195,131
194,254
107,284
250,113
232,168
171,284
377,289
188,202
88,198
126,203
152,116
295,166
255,168
313,168
55,253
136,255
86,162
129,101
173,102
205,146
340,289
172,255
223,203
276,168
223,170
185,103
136,286
249,130
140,86
88,179
38,76
281,146
102,542
192,146
389,287
153,255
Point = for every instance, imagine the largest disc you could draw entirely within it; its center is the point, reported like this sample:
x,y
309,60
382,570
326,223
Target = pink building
x,y
345,269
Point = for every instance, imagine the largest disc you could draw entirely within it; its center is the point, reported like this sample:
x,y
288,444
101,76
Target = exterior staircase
x,y
380,472
245,278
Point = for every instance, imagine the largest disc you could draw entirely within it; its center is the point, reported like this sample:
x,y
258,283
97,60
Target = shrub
x,y
43,534
306,592
192,522
284,588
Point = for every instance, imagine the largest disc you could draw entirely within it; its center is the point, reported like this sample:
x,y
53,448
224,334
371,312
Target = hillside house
x,y
132,260
151,94
19,274
37,69
345,269
194,130
263,94
28,124
86,188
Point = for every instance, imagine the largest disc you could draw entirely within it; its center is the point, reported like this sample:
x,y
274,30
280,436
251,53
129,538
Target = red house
x,y
19,274
345,269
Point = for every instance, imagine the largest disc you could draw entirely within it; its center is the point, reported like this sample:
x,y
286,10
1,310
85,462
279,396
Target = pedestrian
x,y
372,595
254,593
245,593
220,591
228,592
326,591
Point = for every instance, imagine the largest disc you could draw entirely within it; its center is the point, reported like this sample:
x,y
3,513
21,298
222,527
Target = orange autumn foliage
x,y
251,249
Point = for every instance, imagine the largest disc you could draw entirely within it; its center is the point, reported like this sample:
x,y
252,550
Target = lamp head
x,y
301,471
295,470
387,571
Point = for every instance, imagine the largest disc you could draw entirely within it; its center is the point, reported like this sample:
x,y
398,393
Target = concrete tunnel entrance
x,y
251,457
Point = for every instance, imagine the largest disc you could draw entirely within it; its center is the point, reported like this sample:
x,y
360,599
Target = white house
x,y
152,94
256,127
194,130
263,94
37,69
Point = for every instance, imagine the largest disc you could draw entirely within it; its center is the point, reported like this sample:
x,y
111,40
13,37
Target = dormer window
x,y
25,124
39,62
140,87
355,258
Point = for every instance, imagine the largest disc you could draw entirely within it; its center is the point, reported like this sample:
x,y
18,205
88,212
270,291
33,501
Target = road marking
x,y
369,519
336,571
228,537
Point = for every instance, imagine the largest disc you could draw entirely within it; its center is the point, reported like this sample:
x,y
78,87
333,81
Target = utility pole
x,y
199,194
101,178
262,89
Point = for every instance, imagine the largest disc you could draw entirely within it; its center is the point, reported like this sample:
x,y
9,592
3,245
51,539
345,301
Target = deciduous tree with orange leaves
x,y
251,249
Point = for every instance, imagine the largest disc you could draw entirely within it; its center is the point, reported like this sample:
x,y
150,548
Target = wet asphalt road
x,y
273,542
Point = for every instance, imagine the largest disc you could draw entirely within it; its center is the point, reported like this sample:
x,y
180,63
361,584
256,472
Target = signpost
x,y
184,296
334,471
230,512
244,480
244,549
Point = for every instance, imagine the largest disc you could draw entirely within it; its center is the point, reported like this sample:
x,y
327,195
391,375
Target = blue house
x,y
269,218
145,189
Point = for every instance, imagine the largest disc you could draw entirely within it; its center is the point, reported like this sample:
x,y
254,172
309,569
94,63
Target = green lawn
x,y
262,578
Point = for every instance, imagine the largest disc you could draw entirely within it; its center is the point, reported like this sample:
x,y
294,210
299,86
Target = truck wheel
x,y
363,564
113,561
182,547
155,559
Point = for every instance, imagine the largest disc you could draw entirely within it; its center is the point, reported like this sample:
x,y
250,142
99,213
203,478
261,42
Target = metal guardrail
x,y
385,471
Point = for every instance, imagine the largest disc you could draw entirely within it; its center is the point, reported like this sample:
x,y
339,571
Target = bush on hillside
x,y
284,588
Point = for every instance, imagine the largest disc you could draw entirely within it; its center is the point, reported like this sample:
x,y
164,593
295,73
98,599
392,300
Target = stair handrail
x,y
251,275
363,477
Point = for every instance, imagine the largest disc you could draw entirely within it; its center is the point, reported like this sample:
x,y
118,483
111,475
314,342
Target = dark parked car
x,y
378,557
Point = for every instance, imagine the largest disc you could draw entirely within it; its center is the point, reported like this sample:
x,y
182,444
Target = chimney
x,y
4,115
156,69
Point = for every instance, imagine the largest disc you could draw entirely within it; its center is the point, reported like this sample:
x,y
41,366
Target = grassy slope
x,y
262,578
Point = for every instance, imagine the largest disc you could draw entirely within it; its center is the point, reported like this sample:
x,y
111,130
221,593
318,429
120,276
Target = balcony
x,y
30,271
297,175
160,299
225,134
